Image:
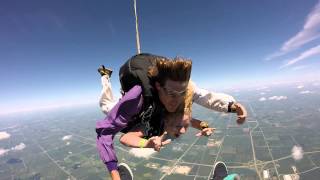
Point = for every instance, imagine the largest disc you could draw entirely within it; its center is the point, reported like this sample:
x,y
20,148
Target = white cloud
x,y
182,170
65,138
142,152
68,143
297,153
300,87
3,151
316,84
305,92
262,99
262,88
177,148
296,68
262,93
19,147
306,54
4,135
278,98
308,33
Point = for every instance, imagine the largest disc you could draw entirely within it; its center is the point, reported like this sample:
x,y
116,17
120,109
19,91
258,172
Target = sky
x,y
50,50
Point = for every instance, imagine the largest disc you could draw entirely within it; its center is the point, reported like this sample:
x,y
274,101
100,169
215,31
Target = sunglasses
x,y
174,93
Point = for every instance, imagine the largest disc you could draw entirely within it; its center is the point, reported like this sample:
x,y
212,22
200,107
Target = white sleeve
x,y
106,100
211,100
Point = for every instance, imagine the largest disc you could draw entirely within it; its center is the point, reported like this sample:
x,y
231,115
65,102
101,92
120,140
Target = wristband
x,y
142,143
204,125
231,107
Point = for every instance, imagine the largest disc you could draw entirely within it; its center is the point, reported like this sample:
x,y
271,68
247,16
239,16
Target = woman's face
x,y
177,125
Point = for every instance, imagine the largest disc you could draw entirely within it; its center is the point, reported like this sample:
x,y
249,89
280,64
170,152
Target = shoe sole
x,y
129,169
214,168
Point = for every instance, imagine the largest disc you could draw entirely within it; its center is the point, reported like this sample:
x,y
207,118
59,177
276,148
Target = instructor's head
x,y
171,79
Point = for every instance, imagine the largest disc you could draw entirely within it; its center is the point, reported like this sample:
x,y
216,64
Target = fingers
x,y
166,142
241,111
162,139
157,148
241,120
163,135
158,141
209,131
206,132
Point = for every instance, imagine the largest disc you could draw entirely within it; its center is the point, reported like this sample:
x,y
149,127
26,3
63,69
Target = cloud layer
x,y
262,99
19,147
4,135
67,137
305,92
276,98
142,152
308,33
306,54
3,151
297,153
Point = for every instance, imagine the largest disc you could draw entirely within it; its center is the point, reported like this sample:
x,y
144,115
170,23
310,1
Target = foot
x,y
220,171
104,71
125,172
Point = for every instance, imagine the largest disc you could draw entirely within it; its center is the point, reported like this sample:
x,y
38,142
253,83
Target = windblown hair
x,y
189,98
178,69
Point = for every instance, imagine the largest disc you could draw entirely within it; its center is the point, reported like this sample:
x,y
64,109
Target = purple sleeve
x,y
112,165
128,106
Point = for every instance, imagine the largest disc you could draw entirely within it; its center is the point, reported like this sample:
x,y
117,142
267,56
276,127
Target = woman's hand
x,y
156,142
206,132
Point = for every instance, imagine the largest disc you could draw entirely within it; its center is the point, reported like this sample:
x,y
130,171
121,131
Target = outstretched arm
x,y
135,139
219,102
132,138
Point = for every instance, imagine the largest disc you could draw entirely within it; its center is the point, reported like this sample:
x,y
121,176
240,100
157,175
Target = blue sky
x,y
50,50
